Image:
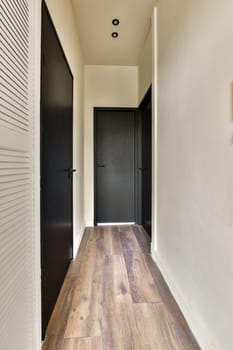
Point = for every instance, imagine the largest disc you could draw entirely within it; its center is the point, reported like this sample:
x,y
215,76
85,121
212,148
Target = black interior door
x,y
146,162
56,167
114,165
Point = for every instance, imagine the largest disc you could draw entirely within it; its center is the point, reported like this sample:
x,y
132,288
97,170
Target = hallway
x,y
114,297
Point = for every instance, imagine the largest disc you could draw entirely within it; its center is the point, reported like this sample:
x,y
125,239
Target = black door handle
x,y
70,172
142,169
101,166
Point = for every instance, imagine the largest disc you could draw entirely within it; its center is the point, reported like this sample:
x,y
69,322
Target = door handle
x,y
70,172
101,166
142,169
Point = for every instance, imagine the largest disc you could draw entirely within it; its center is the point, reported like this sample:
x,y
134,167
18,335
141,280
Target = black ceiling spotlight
x,y
115,22
115,34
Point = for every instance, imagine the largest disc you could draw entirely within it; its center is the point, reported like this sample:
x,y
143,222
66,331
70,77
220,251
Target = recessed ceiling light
x,y
115,22
115,34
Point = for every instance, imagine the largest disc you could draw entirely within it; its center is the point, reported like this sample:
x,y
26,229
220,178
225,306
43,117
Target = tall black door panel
x,y
145,167
114,166
56,167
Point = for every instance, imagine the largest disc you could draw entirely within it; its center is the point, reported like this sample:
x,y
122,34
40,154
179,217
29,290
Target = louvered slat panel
x,y
8,105
12,119
12,172
12,178
13,99
14,236
14,65
13,77
19,219
14,68
17,47
16,57
8,22
10,10
13,91
13,204
16,184
13,320
14,96
15,177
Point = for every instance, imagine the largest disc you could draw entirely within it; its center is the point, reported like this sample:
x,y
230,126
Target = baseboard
x,y
90,224
199,330
80,236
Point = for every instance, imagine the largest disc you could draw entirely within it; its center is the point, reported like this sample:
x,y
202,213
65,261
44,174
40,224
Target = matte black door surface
x,y
114,166
146,162
56,162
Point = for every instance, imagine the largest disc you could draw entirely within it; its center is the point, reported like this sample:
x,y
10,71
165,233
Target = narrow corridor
x,y
114,298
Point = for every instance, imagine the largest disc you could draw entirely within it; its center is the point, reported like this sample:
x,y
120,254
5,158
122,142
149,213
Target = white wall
x,y
145,68
195,163
63,17
105,86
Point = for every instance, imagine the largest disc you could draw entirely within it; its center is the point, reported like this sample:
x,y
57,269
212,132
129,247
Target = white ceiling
x,y
94,20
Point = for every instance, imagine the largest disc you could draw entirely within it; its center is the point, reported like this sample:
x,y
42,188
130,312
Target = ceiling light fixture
x,y
115,22
115,34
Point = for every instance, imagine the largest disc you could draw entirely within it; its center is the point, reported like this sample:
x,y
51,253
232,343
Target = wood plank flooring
x,y
114,298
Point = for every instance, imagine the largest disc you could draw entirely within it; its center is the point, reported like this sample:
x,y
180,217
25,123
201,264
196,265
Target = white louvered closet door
x,y
16,238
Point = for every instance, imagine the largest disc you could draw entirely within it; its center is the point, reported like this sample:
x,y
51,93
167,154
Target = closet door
x,y
56,167
16,234
145,162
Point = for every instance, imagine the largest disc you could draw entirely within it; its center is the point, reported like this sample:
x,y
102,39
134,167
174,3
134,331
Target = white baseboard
x,y
89,224
80,236
115,223
197,327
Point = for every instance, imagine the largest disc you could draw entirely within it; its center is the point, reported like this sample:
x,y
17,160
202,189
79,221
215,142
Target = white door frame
x,y
35,154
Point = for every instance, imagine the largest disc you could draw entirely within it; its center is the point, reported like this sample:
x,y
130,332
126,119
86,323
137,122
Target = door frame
x,y
42,236
117,109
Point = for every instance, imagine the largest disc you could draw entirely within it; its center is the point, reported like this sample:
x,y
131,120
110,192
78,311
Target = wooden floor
x,y
114,298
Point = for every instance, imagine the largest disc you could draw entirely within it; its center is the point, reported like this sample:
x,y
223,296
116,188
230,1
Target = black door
x,y
56,167
114,165
146,161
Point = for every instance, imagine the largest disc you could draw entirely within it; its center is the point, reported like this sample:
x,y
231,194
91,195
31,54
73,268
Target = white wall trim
x,y
154,127
199,330
35,154
78,242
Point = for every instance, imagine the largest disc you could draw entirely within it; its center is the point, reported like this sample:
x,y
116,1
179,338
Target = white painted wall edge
x,y
199,330
78,242
154,127
35,154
